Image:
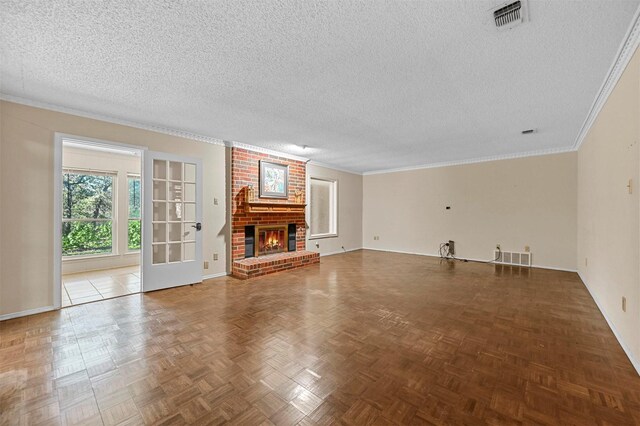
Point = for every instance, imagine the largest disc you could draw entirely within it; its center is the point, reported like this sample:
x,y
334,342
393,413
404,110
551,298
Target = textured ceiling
x,y
366,85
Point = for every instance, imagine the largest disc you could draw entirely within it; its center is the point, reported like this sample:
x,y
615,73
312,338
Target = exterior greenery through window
x,y
87,212
134,213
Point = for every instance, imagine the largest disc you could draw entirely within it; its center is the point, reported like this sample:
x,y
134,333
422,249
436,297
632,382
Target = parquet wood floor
x,y
363,338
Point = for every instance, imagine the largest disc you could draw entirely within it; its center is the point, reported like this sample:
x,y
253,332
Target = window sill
x,y
321,236
88,257
132,252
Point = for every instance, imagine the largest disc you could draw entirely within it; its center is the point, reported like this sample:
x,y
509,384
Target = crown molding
x,y
240,145
625,53
109,119
329,166
537,153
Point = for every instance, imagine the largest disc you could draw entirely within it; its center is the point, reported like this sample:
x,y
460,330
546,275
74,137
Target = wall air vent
x,y
509,15
512,258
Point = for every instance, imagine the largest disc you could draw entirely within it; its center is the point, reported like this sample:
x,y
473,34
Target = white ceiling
x,y
366,85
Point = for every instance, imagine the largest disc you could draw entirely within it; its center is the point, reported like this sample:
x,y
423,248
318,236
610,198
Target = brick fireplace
x,y
268,234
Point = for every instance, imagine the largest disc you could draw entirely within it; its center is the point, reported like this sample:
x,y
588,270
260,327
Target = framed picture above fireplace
x,y
274,180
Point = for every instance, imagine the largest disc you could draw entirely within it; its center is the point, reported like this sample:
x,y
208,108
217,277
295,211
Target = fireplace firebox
x,y
271,239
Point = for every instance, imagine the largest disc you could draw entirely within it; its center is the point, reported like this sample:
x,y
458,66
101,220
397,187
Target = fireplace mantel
x,y
266,207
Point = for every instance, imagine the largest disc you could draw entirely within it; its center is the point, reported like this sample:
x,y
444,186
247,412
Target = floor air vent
x,y
512,258
509,15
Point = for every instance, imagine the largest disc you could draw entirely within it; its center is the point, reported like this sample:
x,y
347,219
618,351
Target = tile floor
x,y
97,285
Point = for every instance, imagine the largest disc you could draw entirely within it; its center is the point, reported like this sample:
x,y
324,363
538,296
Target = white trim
x,y
625,348
58,143
70,259
158,129
334,212
339,252
57,220
623,56
211,276
469,259
240,145
322,236
328,166
27,312
549,151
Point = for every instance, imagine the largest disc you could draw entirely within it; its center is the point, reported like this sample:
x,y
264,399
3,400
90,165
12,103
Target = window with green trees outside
x,y
134,213
87,213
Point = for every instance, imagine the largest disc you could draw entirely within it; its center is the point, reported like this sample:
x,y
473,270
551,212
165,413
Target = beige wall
x,y
26,180
349,211
527,201
608,216
123,166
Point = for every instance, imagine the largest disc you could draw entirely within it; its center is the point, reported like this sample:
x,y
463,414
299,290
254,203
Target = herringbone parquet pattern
x,y
363,338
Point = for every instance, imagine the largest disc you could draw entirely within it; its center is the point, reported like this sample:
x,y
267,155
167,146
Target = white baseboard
x,y
625,348
339,252
467,258
27,312
211,276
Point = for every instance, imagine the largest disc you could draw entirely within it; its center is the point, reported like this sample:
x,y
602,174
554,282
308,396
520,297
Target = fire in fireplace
x,y
271,239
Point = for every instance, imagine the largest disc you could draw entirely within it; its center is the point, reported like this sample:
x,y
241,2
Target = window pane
x,y
87,196
86,238
134,234
134,198
322,207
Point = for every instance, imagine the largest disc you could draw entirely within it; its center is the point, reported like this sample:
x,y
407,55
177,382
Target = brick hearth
x,y
256,266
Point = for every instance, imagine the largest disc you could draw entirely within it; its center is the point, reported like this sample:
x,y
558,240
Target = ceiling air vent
x,y
509,15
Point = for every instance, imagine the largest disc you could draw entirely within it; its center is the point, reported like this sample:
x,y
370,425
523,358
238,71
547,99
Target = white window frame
x,y
333,214
139,177
114,212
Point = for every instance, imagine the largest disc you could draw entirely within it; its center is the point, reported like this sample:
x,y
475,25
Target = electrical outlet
x,y
215,201
215,256
452,248
624,304
527,249
376,238
206,265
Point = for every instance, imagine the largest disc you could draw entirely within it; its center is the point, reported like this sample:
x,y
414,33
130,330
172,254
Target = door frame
x,y
57,201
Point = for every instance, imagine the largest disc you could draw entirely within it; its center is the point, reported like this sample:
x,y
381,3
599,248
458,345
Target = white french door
x,y
172,219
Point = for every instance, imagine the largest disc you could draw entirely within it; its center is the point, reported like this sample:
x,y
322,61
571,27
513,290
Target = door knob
x,y
198,226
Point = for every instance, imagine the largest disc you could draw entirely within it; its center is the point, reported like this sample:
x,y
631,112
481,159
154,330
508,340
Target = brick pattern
x,y
245,171
257,266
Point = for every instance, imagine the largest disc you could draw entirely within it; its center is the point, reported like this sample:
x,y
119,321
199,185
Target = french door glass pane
x,y
175,232
159,253
159,169
189,172
175,170
175,252
174,211
159,232
159,190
